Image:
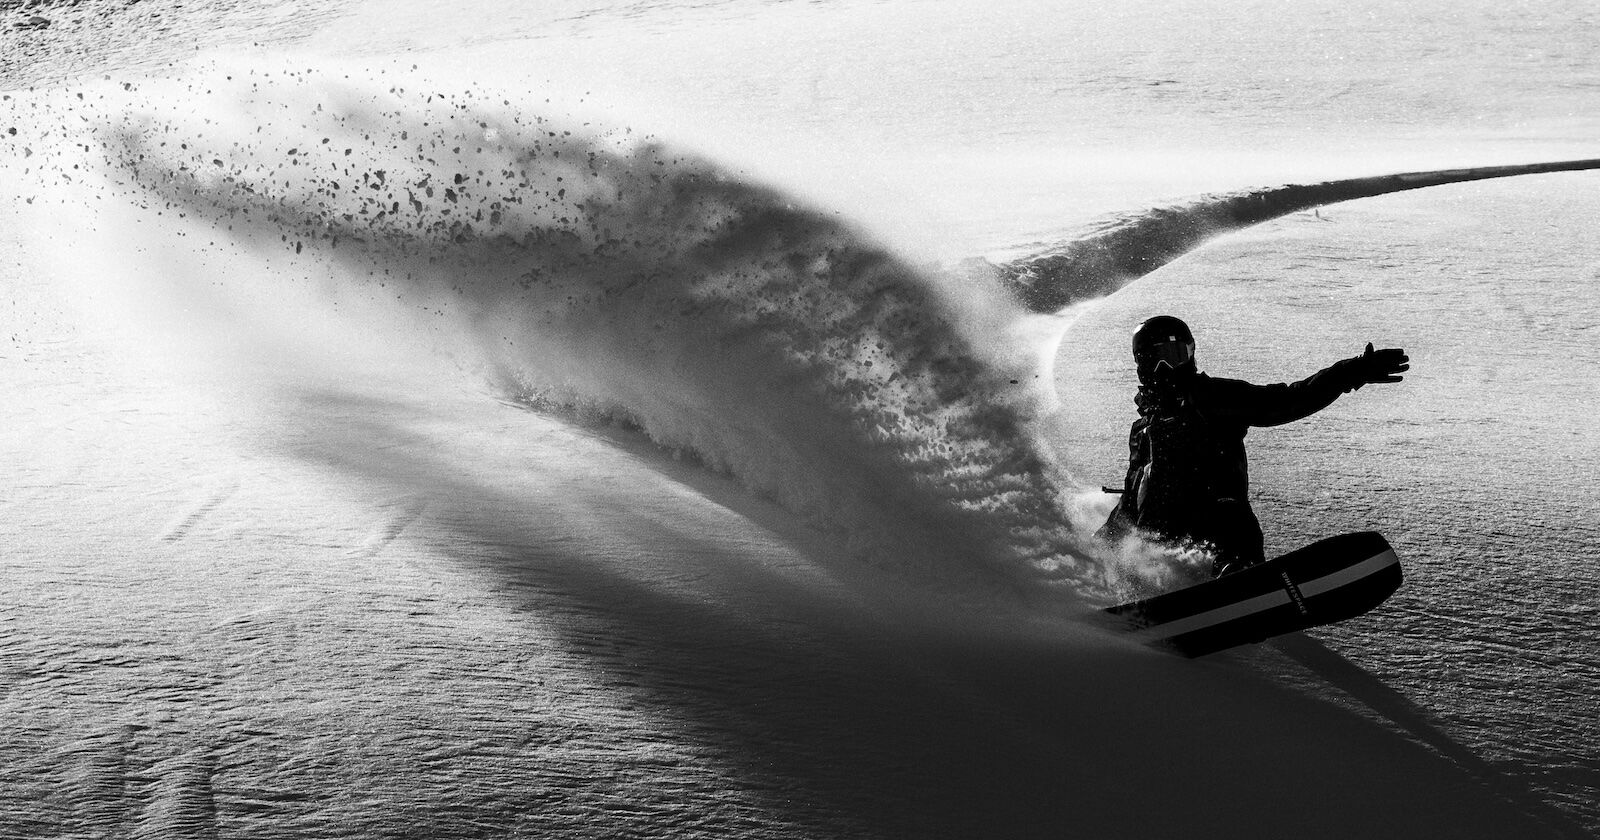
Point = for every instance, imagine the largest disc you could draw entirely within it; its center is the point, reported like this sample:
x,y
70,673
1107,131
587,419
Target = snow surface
x,y
318,538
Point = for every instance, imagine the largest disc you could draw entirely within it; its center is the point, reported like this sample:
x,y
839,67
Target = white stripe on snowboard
x,y
1371,565
1219,615
1261,603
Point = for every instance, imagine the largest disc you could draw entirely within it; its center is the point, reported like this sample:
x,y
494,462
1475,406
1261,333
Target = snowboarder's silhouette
x,y
1188,480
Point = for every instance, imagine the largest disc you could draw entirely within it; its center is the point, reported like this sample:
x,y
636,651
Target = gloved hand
x,y
1377,366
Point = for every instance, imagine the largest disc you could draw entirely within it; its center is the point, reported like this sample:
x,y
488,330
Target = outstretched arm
x,y
1274,405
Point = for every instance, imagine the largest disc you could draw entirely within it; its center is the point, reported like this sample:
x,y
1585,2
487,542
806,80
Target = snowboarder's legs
x,y
1236,536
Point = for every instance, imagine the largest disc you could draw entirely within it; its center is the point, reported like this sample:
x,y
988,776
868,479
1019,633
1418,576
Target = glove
x,y
1376,366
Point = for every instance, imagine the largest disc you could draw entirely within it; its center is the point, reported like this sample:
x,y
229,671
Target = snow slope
x,y
323,523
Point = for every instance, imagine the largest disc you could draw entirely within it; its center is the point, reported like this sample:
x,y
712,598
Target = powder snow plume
x,y
597,273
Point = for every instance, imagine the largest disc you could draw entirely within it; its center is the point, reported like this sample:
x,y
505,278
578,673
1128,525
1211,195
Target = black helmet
x,y
1163,342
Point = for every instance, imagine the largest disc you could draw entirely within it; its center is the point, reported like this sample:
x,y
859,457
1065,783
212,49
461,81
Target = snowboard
x,y
1327,581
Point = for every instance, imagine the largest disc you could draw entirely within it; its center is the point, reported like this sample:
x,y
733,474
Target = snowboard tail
x,y
1328,581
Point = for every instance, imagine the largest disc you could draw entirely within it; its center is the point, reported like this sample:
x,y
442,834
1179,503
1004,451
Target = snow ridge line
x,y
1125,249
181,800
119,793
409,509
180,528
103,793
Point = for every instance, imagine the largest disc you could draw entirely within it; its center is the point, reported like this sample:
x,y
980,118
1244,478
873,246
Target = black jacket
x,y
1186,450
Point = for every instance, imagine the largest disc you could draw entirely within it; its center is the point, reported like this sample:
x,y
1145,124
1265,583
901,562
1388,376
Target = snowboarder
x,y
1188,480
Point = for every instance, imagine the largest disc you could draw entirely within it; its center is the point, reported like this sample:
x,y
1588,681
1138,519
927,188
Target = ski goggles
x,y
1173,354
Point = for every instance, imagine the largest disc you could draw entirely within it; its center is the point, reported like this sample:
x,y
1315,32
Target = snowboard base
x,y
1327,581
